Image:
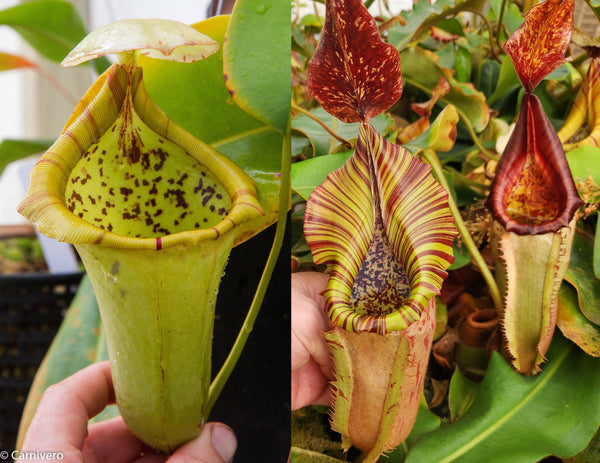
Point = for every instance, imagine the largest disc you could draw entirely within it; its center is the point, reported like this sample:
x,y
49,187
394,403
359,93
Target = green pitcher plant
x,y
153,213
533,197
382,226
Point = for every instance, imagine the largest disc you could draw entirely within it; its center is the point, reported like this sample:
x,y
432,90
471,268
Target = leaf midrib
x,y
473,442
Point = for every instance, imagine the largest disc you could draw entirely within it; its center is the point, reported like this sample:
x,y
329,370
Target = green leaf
x,y
254,44
420,68
12,150
581,275
52,27
322,142
507,81
309,174
462,64
523,419
194,96
583,161
488,77
425,15
400,35
574,325
461,395
462,256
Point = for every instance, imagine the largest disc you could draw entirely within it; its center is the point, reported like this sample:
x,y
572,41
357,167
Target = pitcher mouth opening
x,y
58,201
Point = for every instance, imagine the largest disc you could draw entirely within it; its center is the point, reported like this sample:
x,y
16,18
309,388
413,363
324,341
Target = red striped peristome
x,y
380,180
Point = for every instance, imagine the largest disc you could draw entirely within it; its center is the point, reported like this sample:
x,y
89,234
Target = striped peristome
x,y
381,185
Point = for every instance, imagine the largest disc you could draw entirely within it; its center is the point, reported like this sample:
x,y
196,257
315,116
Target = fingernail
x,y
224,442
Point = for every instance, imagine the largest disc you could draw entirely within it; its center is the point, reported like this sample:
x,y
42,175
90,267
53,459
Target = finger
x,y
309,386
60,422
309,320
112,441
215,444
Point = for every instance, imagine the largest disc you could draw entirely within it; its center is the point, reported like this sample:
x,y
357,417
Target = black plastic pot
x,y
31,310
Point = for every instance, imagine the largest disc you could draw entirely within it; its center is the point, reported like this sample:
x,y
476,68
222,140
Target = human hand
x,y
311,367
60,425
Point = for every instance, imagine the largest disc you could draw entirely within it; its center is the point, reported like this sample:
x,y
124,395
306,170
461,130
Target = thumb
x,y
215,444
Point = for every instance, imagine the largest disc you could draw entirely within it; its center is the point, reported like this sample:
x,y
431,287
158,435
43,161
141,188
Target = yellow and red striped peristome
x,y
382,225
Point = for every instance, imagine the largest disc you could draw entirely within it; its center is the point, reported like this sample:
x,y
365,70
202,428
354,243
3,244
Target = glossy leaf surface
x,y
353,73
386,242
507,411
265,95
194,96
308,175
426,14
323,143
538,47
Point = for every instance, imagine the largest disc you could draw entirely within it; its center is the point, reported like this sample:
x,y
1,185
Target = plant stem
x,y
346,143
284,198
464,233
500,24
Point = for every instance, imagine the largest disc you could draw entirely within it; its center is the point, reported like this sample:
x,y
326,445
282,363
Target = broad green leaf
x,y
194,96
583,161
462,64
507,81
462,256
508,409
322,142
265,95
461,395
488,77
12,150
581,275
590,454
52,27
400,35
512,15
309,174
420,68
77,344
424,15
574,325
